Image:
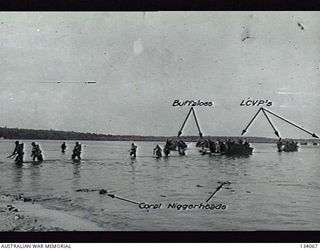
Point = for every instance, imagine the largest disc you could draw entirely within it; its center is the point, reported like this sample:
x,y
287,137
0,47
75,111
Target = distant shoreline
x,y
33,134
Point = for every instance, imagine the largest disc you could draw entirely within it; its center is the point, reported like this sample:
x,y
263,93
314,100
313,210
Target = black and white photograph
x,y
159,121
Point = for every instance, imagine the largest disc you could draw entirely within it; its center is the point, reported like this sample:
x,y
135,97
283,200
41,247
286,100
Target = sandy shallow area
x,y
18,213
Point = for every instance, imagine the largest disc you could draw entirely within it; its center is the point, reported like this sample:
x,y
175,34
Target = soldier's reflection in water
x,y
34,178
132,171
76,174
17,177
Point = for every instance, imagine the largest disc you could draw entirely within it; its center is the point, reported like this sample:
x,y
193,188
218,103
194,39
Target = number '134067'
x,y
308,245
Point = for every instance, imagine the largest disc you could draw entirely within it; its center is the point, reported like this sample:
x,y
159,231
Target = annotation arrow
x,y
278,116
254,117
197,123
123,199
274,129
195,118
217,189
184,122
291,123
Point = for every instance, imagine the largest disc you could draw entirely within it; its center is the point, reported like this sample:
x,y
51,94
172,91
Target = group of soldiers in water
x,y
220,146
170,145
36,152
217,146
157,151
287,145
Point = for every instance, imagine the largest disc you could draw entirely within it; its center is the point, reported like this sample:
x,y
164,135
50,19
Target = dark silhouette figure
x,y
36,152
76,151
63,147
17,152
279,145
157,151
133,151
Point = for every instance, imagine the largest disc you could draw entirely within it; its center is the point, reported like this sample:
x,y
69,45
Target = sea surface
x,y
267,191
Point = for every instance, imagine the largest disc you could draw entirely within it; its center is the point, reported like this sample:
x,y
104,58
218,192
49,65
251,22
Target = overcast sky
x,y
142,62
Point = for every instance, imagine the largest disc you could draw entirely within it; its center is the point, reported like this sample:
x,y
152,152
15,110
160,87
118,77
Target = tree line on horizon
x,y
39,134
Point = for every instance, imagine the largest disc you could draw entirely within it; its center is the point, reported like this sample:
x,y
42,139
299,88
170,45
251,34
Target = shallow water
x,y
268,190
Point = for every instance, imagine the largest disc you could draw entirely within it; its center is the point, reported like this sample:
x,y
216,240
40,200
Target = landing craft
x,y
208,146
